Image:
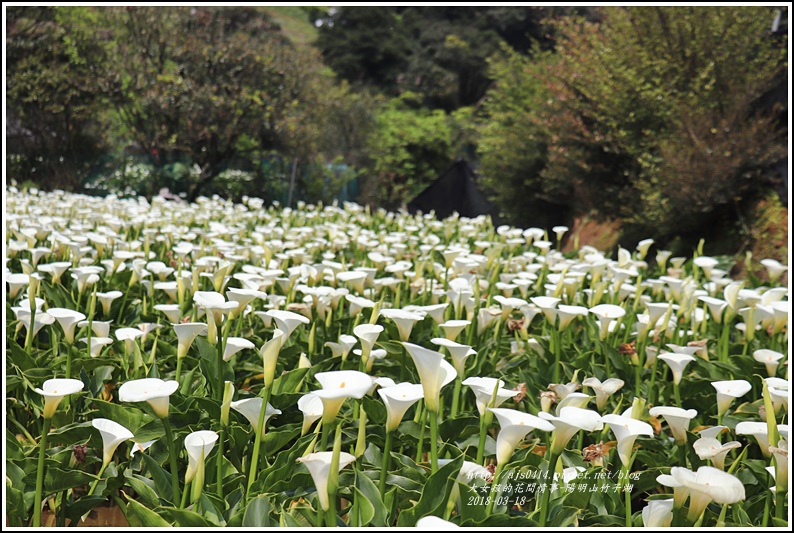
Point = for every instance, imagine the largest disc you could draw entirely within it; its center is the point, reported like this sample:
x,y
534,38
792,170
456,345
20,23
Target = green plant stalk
x,y
386,460
178,368
420,445
677,394
433,441
481,443
324,437
627,494
62,508
455,398
96,481
544,502
494,487
40,472
169,437
90,329
223,335
258,441
721,519
780,502
361,440
555,335
183,502
333,477
219,464
198,481
605,356
682,453
29,332
724,342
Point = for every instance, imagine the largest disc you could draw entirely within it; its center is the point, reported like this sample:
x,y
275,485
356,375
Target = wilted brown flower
x,y
594,454
627,349
79,452
514,324
522,392
547,399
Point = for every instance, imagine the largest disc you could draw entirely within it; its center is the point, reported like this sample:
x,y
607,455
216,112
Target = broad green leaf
x,y
434,494
367,489
130,417
209,506
140,516
186,517
257,513
161,478
144,488
290,381
56,479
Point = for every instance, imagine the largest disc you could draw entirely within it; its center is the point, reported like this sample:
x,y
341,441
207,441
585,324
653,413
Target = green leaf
x,y
56,479
186,517
101,374
290,382
362,511
209,506
78,509
140,516
144,488
435,494
275,440
257,514
131,418
366,488
287,520
161,478
376,411
470,507
455,429
15,506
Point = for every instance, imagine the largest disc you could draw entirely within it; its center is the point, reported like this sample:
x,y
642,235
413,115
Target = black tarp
x,y
455,189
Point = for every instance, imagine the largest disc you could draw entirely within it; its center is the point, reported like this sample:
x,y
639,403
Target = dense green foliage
x,y
439,53
660,118
654,116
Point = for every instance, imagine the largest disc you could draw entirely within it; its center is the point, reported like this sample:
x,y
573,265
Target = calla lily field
x,y
240,364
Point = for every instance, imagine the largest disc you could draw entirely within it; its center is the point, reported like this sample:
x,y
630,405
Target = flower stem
x,y
455,398
40,473
178,369
219,385
260,430
682,452
724,343
483,433
721,519
555,335
184,496
627,494
361,440
386,460
780,501
96,481
677,393
169,437
433,441
333,477
544,502
219,464
420,445
68,361
324,438
651,386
